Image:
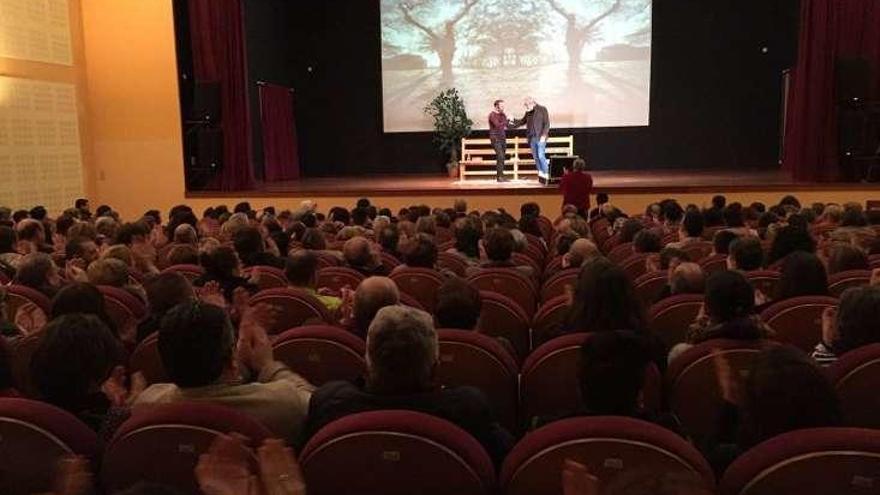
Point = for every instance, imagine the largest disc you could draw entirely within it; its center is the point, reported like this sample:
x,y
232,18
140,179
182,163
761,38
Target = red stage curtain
x,y
280,147
829,29
218,46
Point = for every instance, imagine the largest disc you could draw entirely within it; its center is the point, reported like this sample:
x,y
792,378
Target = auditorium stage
x,y
613,182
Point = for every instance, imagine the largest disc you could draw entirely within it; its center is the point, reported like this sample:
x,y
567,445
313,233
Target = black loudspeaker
x,y
206,102
853,78
558,164
205,158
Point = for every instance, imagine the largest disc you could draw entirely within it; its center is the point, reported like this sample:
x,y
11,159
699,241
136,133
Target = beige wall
x,y
133,110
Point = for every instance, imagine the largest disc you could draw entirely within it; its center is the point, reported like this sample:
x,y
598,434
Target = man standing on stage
x,y
498,124
537,122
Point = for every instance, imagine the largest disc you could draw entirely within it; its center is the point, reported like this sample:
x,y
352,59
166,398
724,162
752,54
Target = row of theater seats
x,y
404,452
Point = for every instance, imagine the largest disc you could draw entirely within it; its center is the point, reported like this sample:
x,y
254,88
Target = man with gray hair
x,y
402,356
537,122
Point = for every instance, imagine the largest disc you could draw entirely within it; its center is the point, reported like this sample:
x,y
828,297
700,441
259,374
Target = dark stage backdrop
x,y
715,95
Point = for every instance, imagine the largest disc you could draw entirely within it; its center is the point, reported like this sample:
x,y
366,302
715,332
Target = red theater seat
x,y
670,318
321,353
766,281
714,263
549,320
503,317
395,453
266,277
452,262
798,321
636,265
549,380
692,386
162,443
297,308
389,261
839,282
611,447
33,437
698,250
508,282
555,285
471,358
420,283
28,308
649,286
812,461
23,350
191,272
148,361
855,376
125,309
621,252
336,278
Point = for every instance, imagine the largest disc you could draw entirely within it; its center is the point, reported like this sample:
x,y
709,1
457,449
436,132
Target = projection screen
x,y
587,61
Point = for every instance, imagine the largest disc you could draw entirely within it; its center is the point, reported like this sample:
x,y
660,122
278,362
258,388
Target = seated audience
x,y
745,254
222,265
302,273
251,249
789,239
81,248
32,237
729,313
690,231
401,361
467,240
419,251
499,245
458,305
604,300
852,325
803,274
38,271
845,257
114,273
70,366
389,239
362,255
164,291
580,252
371,295
197,344
647,241
9,256
722,240
784,391
85,298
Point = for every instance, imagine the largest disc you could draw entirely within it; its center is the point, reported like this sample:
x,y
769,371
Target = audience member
x,y
401,361
580,252
250,246
302,274
852,325
362,255
419,252
499,245
803,274
690,231
371,295
722,240
223,266
745,254
164,291
576,185
37,271
458,305
604,300
197,344
845,257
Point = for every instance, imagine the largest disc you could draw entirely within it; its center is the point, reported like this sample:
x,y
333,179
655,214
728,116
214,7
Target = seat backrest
x,y
798,321
549,320
697,251
553,267
549,380
297,308
28,308
191,272
508,282
162,443
477,360
839,282
621,252
420,283
146,359
670,318
766,281
855,376
266,277
321,353
649,286
692,381
611,448
599,229
389,261
714,263
556,284
503,317
33,436
336,278
452,262
125,309
395,453
636,265
815,460
327,259
521,259
21,354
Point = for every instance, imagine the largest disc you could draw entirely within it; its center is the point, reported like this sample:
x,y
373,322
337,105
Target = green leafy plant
x,y
451,122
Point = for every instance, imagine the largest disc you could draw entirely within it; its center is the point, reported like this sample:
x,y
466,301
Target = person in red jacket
x,y
576,186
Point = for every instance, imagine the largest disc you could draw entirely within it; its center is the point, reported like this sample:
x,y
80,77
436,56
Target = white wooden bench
x,y
478,156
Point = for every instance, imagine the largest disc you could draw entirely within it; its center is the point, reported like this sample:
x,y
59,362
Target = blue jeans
x,y
538,149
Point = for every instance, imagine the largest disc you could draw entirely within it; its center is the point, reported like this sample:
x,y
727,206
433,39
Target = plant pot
x,y
452,168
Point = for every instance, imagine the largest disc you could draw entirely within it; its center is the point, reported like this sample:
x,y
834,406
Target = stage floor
x,y
612,182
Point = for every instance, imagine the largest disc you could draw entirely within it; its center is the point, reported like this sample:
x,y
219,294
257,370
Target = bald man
x,y
581,251
371,295
687,278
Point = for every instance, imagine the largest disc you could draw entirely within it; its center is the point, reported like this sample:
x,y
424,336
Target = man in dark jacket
x,y
401,359
537,122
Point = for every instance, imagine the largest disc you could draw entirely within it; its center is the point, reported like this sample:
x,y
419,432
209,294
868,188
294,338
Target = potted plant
x,y
451,124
